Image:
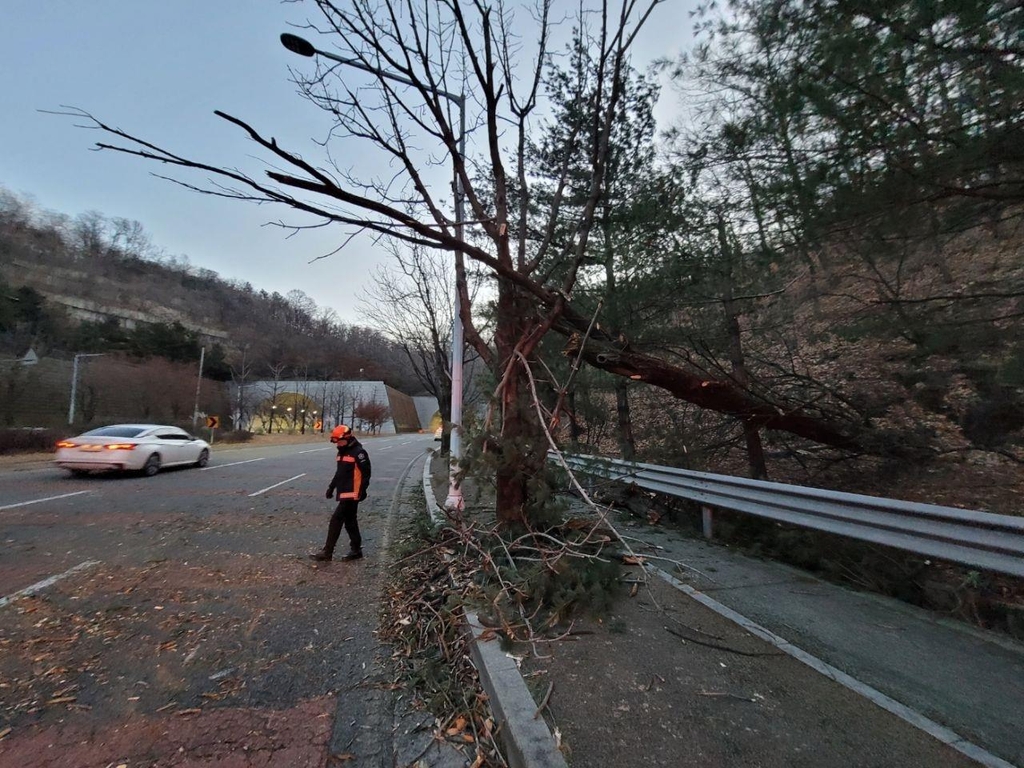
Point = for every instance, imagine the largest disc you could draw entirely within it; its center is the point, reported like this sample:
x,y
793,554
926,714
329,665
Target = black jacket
x,y
352,475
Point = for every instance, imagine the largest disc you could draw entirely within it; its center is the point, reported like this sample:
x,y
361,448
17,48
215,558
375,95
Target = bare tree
x,y
411,302
439,50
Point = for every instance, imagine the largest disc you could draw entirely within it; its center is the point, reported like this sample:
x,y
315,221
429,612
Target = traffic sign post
x,y
212,422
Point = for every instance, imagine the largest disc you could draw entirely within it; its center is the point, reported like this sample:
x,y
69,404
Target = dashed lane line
x,y
40,501
275,485
41,585
232,464
314,450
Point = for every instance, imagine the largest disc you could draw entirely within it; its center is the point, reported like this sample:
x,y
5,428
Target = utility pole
x,y
74,383
199,383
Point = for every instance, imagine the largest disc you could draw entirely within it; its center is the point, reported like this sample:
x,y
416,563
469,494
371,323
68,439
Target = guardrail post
x,y
706,521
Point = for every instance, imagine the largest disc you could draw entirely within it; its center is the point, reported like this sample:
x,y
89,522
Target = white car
x,y
141,447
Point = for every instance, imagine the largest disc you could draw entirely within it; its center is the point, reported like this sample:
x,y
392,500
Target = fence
x,y
108,389
979,539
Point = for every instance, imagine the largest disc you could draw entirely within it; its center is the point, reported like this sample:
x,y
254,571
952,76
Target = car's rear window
x,y
114,432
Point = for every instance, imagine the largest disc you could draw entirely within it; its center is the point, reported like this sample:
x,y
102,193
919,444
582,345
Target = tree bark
x,y
627,441
521,457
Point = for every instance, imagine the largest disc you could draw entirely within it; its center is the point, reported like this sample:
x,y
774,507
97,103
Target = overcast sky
x,y
158,68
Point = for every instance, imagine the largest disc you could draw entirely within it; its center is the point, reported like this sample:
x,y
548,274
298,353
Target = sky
x,y
158,69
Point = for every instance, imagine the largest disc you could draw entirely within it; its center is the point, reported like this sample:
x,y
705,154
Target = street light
x,y
74,383
302,47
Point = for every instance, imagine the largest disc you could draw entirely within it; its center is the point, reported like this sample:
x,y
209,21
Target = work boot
x,y
323,556
353,554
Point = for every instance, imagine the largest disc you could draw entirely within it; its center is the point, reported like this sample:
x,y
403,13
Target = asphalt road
x,y
187,624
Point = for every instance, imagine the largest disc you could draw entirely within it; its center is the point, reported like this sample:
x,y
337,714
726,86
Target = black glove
x,y
330,492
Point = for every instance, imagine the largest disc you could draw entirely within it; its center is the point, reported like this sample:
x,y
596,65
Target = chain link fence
x,y
37,394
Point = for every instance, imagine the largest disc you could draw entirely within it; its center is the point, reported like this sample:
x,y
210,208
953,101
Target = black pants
x,y
345,515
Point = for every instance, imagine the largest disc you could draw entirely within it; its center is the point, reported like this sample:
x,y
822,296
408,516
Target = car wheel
x,y
204,458
79,472
152,465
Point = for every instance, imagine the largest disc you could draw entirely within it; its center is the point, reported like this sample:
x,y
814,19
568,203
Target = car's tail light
x,y
66,444
121,447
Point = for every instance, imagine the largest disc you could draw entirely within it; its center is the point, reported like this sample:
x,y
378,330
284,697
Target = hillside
x,y
92,284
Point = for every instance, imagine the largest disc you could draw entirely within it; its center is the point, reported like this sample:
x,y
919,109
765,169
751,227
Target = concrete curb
x,y
524,733
434,510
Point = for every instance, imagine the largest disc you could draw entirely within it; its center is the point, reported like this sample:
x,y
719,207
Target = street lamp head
x,y
298,45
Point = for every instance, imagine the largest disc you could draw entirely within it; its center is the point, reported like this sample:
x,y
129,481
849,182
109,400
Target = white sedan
x,y
141,447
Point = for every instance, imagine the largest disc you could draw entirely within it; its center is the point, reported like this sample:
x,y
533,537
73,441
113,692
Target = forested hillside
x,y
92,284
821,271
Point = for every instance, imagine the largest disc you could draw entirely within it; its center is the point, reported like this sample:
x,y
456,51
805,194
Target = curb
x,y
524,734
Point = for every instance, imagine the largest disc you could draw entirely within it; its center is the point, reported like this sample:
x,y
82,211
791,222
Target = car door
x,y
172,445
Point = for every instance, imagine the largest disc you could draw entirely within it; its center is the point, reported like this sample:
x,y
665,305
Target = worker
x,y
351,478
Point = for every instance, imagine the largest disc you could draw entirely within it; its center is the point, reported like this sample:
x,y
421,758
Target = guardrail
x,y
979,539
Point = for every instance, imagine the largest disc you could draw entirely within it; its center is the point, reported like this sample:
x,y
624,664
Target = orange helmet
x,y
340,432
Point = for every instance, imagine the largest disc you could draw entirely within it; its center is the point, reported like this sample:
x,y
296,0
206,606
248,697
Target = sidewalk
x,y
666,681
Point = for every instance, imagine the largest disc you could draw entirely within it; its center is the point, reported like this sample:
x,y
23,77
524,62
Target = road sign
x,y
318,426
213,422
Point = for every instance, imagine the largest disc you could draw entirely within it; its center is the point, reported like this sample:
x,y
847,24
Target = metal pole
x,y
74,390
302,47
199,383
455,500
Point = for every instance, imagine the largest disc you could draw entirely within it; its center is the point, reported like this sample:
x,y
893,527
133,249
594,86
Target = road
x,y
178,621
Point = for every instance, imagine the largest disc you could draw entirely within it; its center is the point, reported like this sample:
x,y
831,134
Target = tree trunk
x,y
574,424
521,456
627,442
751,433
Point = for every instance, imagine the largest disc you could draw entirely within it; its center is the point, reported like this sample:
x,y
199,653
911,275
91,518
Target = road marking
x,y
406,442
275,485
314,450
905,713
40,501
233,464
41,585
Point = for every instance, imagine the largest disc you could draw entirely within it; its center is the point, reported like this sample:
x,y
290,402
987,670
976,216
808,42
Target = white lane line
x,y
406,442
905,713
314,450
41,585
40,501
233,464
275,485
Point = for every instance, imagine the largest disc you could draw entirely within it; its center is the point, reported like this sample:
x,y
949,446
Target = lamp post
x,y
74,382
303,47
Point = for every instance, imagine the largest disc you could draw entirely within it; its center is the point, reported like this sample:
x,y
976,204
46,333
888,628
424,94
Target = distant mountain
x,y
91,283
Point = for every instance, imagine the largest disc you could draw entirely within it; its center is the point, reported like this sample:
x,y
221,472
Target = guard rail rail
x,y
979,539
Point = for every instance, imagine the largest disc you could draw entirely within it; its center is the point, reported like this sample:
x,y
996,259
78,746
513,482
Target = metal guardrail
x,y
979,539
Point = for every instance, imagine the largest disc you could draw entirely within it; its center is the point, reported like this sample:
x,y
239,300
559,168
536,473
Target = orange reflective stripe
x,y
357,480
